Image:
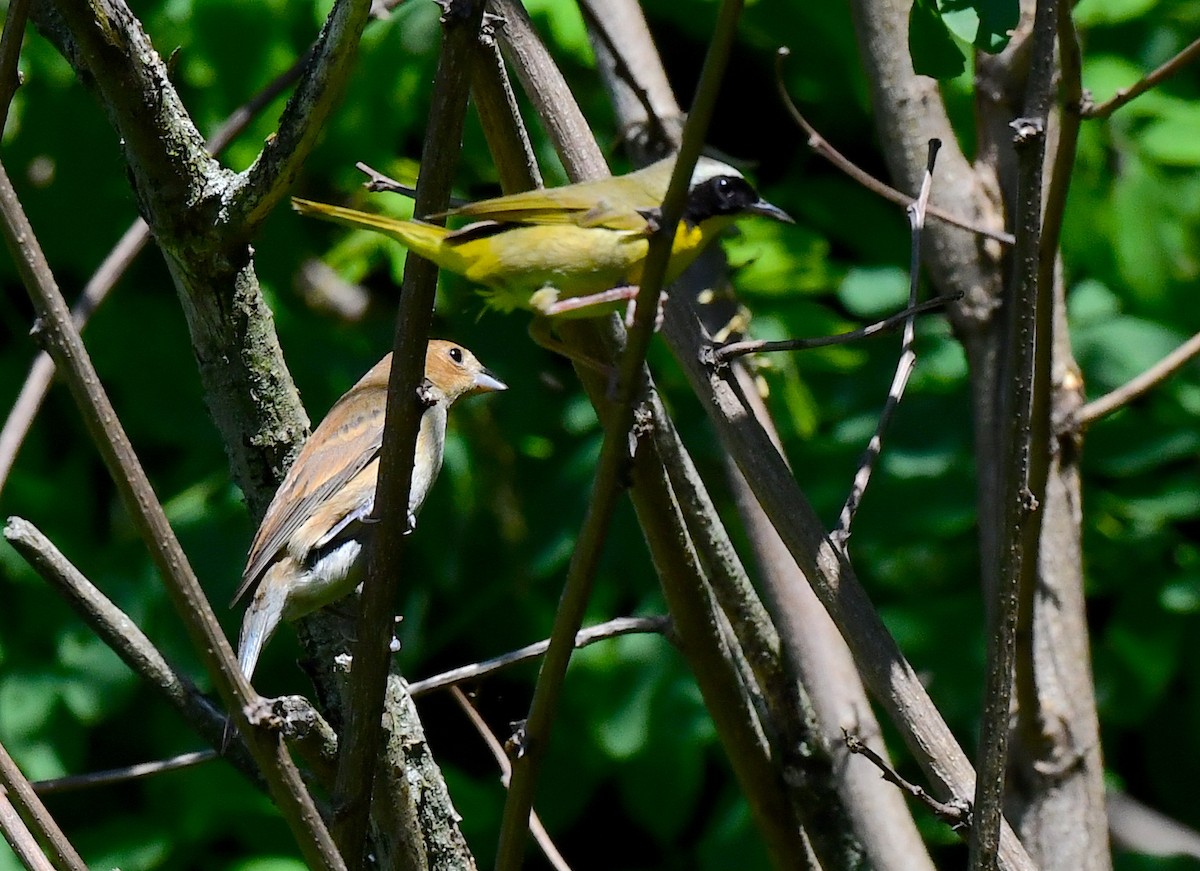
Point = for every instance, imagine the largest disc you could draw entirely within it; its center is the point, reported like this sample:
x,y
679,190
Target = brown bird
x,y
307,552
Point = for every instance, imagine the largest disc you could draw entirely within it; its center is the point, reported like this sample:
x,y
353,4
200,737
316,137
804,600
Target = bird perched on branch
x,y
308,551
573,251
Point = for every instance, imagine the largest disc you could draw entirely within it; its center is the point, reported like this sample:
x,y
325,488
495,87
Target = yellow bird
x,y
574,251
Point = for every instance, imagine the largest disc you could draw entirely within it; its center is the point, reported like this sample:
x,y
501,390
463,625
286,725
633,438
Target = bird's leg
x,y
631,309
547,302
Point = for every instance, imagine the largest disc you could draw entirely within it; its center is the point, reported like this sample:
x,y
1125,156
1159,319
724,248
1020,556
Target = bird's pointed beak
x,y
767,210
485,382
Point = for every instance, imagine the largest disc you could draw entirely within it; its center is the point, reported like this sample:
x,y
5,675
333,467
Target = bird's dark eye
x,y
456,355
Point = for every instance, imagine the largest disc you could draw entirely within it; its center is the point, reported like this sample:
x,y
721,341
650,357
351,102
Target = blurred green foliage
x,y
634,751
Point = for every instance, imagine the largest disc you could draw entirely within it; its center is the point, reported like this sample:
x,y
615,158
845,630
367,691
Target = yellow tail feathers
x,y
425,239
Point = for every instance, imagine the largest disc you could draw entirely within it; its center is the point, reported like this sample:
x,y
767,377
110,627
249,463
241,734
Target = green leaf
x,y
985,24
874,291
1174,139
1093,12
1114,351
933,49
1181,596
270,863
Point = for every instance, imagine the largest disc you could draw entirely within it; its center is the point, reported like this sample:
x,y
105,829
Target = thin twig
x,y
377,182
540,835
35,816
286,787
955,814
732,350
821,146
21,839
10,53
1124,95
904,367
613,456
479,670
1139,386
358,756
111,776
1025,408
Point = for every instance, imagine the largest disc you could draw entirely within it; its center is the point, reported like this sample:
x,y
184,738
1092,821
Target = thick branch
x,y
883,667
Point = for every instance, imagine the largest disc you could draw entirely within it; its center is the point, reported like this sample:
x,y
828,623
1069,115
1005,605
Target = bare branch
x,y
613,454
10,53
882,665
259,188
822,146
16,789
956,814
21,840
377,182
115,629
479,670
111,776
190,603
1124,95
540,835
361,741
908,359
496,104
110,271
1139,386
41,373
541,78
733,350
1026,444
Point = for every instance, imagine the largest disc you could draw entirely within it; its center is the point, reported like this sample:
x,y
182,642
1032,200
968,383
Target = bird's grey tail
x,y
258,625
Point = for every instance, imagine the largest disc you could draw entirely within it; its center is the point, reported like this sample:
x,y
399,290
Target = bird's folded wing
x,y
343,445
584,205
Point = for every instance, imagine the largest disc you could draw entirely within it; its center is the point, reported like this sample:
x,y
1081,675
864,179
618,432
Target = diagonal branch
x,y
883,667
361,744
277,165
479,670
10,53
111,270
1161,74
22,841
15,788
732,350
115,629
613,455
553,856
823,147
1141,385
131,482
